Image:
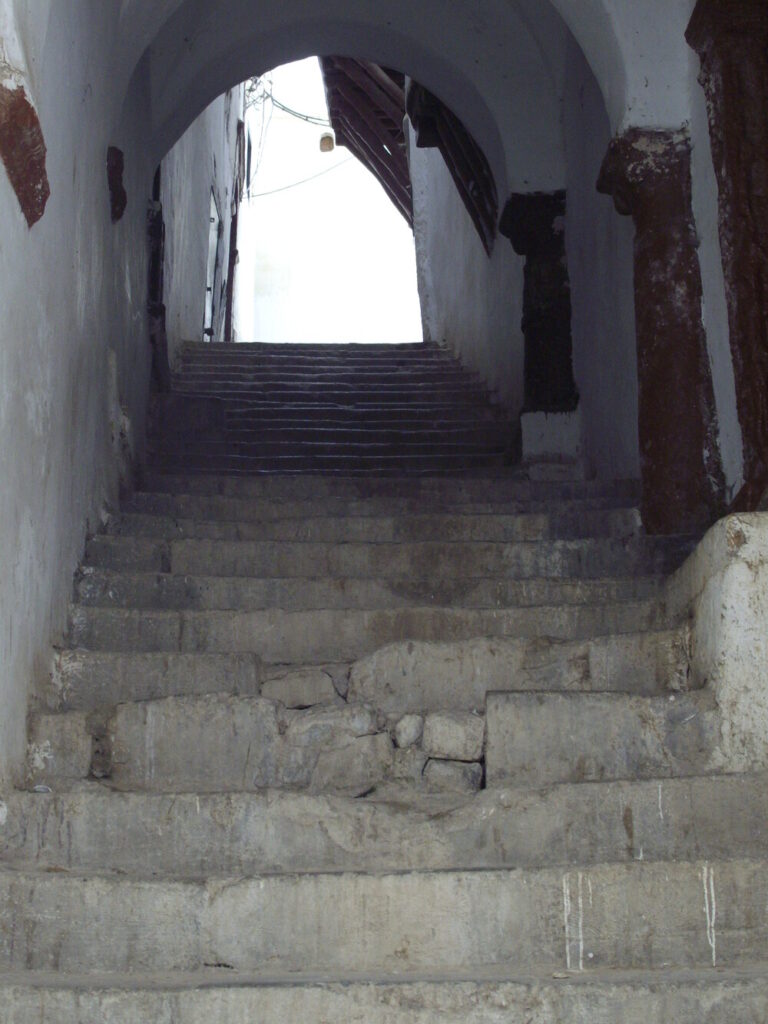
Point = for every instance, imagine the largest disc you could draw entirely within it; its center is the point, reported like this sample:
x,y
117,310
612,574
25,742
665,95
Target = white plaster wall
x,y
203,159
74,355
599,245
471,303
714,306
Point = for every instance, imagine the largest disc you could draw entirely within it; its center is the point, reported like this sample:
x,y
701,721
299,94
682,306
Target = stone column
x,y
648,174
535,224
731,39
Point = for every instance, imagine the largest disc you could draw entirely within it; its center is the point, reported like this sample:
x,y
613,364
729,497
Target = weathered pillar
x,y
535,224
648,174
731,38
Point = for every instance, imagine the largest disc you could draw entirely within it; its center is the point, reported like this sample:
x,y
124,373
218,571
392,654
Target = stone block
x,y
453,776
408,731
454,736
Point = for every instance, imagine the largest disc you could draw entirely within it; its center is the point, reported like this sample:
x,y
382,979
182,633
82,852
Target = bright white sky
x,y
330,260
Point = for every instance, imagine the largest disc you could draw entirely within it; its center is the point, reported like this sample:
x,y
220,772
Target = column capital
x,y
645,164
534,221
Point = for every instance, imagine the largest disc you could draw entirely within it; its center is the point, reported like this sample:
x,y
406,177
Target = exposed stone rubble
x,y
417,749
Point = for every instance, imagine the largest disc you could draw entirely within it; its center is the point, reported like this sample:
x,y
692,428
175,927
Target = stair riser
x,y
331,465
464,434
206,508
587,559
240,834
648,1001
640,916
258,449
490,488
330,636
410,676
108,589
225,744
621,523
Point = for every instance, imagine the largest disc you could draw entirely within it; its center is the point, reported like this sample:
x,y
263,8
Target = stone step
x,y
241,413
314,637
358,378
219,744
621,523
411,676
639,915
541,738
257,448
108,588
245,834
340,349
270,509
223,743
588,558
339,465
639,997
425,395
489,486
362,433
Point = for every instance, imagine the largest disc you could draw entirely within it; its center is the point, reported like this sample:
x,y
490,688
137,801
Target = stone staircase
x,y
366,747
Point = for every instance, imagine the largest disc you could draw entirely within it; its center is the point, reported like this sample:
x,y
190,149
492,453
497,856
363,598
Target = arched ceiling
x,y
498,64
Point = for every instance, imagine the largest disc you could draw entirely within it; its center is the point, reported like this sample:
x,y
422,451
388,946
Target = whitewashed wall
x,y
599,245
202,159
74,352
471,303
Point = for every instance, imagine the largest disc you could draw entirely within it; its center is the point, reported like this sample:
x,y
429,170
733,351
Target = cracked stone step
x,y
619,523
542,738
116,589
495,487
639,998
639,915
242,834
589,558
216,743
409,676
313,637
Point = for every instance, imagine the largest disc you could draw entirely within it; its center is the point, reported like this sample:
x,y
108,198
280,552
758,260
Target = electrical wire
x,y
304,181
320,122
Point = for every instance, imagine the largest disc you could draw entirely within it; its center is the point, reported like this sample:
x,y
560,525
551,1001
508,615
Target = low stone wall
x,y
723,588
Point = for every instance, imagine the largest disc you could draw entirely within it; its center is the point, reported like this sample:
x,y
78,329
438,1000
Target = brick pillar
x,y
648,174
731,39
535,224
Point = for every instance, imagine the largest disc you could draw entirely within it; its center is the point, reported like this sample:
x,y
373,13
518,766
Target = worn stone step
x,y
357,465
119,589
217,744
541,738
577,524
239,412
365,433
243,834
361,448
588,558
342,635
426,395
494,486
632,998
270,509
359,378
87,680
639,915
411,676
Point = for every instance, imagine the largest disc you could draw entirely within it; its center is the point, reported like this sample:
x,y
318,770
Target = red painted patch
x,y
22,150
